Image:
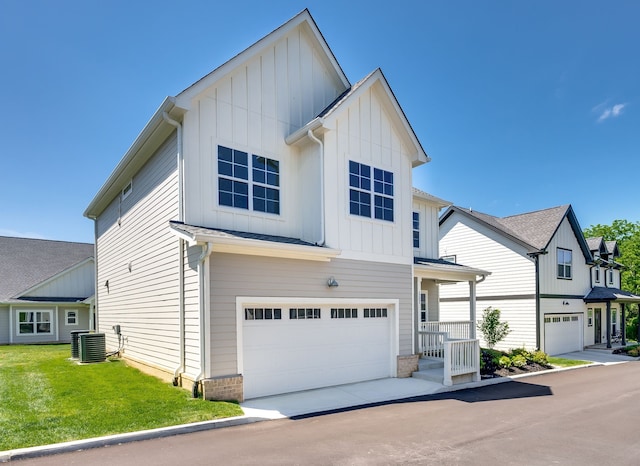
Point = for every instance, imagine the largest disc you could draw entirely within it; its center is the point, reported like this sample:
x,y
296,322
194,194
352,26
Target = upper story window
x,y
360,191
564,263
597,278
610,273
236,177
416,229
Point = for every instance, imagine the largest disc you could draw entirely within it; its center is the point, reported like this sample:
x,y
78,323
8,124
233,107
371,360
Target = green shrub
x,y
521,352
504,361
492,329
489,360
539,357
519,360
634,352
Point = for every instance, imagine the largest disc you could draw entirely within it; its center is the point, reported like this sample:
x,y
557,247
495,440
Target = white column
x,y
472,309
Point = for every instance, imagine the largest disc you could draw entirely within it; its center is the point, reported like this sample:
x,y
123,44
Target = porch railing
x,y
457,330
461,357
432,344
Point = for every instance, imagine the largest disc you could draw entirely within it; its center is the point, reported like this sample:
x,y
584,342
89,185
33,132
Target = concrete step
x,y
432,375
426,364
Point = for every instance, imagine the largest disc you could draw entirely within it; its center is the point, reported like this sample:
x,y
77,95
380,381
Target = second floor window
x,y
598,274
564,263
244,186
416,230
360,192
610,276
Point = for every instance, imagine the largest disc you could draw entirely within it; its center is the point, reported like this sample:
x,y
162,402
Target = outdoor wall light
x,y
332,283
565,303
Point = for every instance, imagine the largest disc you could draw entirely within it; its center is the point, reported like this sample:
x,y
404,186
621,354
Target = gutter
x,y
311,136
207,248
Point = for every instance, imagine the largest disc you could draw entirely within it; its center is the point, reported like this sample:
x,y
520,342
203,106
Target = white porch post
x,y
472,309
417,287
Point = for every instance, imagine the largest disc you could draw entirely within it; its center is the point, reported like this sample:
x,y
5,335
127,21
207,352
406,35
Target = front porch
x,y
449,354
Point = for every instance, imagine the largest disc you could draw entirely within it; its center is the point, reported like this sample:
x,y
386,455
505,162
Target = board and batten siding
x,y
364,133
138,256
4,325
428,218
579,284
253,109
251,276
76,283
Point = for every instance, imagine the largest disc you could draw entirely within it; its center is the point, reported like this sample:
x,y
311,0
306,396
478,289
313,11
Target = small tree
x,y
492,329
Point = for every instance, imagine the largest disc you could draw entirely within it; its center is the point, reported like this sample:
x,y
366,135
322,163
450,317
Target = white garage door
x,y
292,348
563,333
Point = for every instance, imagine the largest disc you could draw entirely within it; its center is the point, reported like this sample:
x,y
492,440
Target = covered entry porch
x,y
451,346
602,297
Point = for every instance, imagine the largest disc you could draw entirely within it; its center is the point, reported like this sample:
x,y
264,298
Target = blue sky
x,y
521,105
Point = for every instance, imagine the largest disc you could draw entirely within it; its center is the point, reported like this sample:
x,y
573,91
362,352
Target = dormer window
x,y
610,273
597,278
564,263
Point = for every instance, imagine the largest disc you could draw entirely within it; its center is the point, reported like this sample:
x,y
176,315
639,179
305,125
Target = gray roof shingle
x,y
27,262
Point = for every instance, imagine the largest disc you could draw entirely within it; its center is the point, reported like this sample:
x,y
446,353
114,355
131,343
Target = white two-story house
x,y
545,280
259,235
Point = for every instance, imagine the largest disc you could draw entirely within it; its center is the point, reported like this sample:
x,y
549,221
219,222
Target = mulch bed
x,y
503,372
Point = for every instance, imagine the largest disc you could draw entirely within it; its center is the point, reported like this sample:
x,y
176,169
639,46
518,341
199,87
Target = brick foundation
x,y
223,388
407,365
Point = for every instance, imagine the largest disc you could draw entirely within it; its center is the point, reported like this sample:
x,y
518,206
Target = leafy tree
x,y
627,234
492,329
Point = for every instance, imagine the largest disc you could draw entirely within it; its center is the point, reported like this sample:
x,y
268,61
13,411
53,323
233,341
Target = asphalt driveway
x,y
583,417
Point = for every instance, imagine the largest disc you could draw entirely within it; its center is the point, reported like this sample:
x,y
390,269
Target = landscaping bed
x,y
495,363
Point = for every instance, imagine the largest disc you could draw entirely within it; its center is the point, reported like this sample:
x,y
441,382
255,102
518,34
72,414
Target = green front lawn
x,y
46,398
562,362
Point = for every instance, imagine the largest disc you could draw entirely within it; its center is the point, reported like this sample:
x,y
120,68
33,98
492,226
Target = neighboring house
x,y
257,236
543,277
46,290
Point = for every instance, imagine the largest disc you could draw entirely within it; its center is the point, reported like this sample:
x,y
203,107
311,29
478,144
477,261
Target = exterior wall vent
x,y
92,347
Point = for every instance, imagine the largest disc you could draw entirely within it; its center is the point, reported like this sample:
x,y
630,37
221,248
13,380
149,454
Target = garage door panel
x,y
563,333
287,355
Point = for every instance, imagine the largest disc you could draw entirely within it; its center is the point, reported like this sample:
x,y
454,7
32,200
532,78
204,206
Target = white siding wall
x,y
192,310
549,281
429,229
143,300
77,283
82,321
510,287
253,109
236,275
364,133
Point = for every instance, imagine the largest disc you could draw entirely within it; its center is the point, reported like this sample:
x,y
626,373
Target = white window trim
x,y
66,317
35,334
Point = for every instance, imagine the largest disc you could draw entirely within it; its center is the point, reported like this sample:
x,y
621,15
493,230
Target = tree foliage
x,y
492,329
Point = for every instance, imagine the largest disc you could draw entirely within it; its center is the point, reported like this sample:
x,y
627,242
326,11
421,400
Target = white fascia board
x,y
152,135
301,133
254,247
424,196
448,273
184,98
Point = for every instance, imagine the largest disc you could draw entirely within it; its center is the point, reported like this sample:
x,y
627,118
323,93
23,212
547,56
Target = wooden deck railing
x,y
461,357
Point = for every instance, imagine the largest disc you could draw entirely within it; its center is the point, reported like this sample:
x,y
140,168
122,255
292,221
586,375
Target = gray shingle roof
x,y
27,262
204,231
600,294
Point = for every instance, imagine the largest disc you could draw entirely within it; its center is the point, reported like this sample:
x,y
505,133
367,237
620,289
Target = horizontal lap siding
x,y
82,319
143,300
4,325
236,275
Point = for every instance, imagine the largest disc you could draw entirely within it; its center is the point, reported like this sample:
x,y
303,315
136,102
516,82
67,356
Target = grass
x,y
562,362
46,398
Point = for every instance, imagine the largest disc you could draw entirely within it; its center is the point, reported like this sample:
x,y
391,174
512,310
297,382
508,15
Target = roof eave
x,y
152,135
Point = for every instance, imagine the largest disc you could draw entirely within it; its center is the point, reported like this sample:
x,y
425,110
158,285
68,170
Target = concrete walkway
x,y
601,356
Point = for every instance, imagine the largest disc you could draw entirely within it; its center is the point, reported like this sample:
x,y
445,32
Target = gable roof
x,y
158,129
26,262
422,195
533,230
302,19
376,77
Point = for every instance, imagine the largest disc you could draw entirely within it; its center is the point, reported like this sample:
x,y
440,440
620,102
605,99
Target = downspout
x,y
206,251
536,259
181,313
95,274
311,136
